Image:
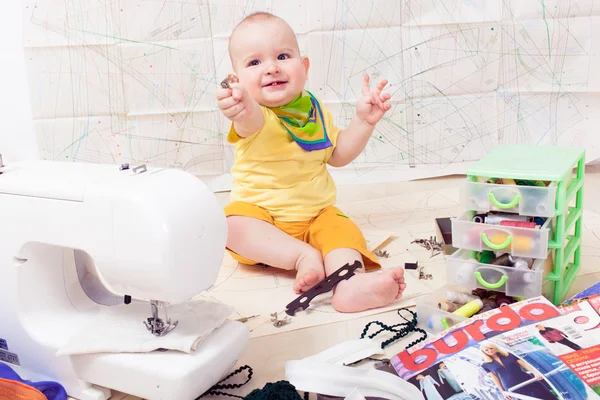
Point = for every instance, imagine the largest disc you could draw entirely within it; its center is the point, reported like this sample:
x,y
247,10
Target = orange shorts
x,y
327,231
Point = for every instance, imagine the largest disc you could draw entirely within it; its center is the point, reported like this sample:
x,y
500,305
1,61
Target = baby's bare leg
x,y
363,291
265,243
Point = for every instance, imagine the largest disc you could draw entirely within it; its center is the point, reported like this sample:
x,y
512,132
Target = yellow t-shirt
x,y
273,172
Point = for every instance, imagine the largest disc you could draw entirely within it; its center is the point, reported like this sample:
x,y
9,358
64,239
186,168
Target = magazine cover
x,y
551,358
474,330
575,338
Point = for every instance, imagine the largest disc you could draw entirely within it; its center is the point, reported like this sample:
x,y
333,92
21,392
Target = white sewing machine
x,y
78,237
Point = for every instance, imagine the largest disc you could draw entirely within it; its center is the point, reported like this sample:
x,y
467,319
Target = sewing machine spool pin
x,y
155,324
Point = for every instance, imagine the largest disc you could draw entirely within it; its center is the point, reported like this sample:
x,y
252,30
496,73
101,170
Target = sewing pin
x,y
245,319
382,253
279,322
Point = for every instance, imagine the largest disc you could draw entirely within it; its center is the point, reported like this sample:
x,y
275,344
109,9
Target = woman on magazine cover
x,y
426,384
506,370
553,335
444,374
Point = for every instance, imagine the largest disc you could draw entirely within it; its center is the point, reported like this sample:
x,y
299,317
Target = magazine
x,y
575,338
545,356
488,324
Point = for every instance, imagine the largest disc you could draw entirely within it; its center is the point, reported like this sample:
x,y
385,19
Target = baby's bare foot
x,y
310,271
305,279
369,290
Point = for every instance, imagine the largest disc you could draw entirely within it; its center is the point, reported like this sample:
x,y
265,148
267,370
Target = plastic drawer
x,y
463,270
519,242
430,317
525,200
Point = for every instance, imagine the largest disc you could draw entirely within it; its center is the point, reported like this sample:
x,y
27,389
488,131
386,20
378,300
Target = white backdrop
x,y
17,141
134,80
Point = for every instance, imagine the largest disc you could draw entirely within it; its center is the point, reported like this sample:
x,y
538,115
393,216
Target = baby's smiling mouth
x,y
275,84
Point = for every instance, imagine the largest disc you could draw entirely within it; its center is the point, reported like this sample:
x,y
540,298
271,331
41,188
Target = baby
x,y
282,211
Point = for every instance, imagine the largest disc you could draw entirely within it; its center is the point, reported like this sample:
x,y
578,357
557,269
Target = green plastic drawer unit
x,y
523,200
534,181
518,242
464,270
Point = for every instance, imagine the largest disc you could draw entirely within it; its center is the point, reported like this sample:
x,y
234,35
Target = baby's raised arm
x,y
240,108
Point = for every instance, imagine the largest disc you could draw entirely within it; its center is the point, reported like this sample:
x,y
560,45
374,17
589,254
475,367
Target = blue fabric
x,y
592,290
52,390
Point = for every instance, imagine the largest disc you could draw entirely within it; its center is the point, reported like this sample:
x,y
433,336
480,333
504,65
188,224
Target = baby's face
x,y
267,61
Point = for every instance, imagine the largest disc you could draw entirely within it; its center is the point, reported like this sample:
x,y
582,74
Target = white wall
x,y
17,140
134,80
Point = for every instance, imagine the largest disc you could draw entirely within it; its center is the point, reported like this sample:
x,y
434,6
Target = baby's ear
x,y
306,63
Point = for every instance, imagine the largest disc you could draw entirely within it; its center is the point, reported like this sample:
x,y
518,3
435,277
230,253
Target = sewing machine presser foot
x,y
156,325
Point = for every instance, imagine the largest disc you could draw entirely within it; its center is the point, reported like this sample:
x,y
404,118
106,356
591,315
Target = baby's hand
x,y
372,105
234,102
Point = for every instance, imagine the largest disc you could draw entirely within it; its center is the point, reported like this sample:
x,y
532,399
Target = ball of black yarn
x,y
282,390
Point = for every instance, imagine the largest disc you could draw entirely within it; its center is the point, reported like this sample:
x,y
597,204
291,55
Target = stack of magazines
x,y
526,350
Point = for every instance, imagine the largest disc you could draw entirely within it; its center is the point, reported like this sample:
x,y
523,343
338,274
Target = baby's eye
x,y
283,56
253,63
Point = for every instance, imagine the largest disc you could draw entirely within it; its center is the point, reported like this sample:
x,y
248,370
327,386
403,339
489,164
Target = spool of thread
x,y
437,324
459,297
523,182
469,309
464,273
486,256
518,224
519,243
434,325
541,209
502,300
488,304
479,218
528,260
508,181
505,260
495,219
538,221
527,277
521,264
448,306
481,293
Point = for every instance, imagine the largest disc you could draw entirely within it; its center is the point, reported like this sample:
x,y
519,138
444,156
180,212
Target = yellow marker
x,y
469,309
